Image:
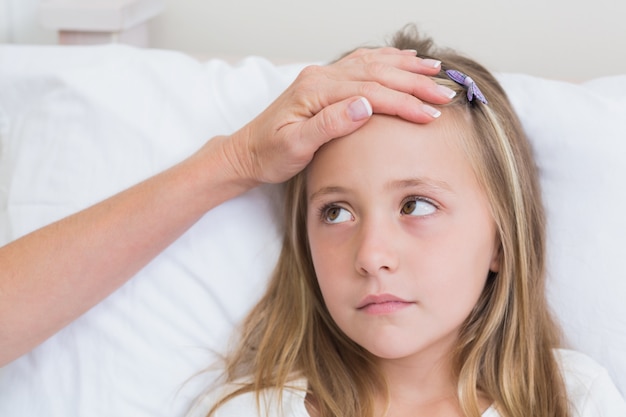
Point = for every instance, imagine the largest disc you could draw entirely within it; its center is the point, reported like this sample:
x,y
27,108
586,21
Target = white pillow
x,y
78,124
579,136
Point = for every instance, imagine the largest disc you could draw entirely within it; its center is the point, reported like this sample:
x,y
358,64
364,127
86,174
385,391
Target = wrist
x,y
223,162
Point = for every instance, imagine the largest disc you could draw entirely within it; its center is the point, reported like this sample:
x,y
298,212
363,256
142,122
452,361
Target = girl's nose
x,y
376,249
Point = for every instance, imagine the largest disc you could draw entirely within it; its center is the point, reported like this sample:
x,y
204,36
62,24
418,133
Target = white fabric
x,y
83,123
292,403
80,123
590,391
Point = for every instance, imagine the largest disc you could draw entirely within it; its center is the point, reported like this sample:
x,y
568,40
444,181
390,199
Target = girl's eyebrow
x,y
326,191
429,183
426,183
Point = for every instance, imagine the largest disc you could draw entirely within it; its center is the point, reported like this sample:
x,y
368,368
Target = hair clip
x,y
472,88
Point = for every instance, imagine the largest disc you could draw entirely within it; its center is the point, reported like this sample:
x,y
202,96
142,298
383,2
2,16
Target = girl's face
x,y
401,235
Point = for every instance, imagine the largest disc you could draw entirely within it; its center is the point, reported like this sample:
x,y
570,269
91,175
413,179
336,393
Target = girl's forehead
x,y
396,141
391,149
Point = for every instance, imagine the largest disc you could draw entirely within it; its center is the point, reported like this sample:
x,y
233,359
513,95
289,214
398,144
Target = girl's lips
x,y
382,304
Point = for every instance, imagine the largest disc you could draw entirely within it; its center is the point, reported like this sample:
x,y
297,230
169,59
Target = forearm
x,y
53,275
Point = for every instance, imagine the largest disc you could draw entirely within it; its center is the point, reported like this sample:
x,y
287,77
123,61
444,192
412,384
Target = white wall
x,y
19,23
570,39
567,39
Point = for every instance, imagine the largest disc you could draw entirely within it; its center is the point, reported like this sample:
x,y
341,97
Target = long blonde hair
x,y
505,346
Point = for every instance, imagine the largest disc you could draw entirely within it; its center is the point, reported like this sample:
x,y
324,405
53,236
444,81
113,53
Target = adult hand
x,y
327,102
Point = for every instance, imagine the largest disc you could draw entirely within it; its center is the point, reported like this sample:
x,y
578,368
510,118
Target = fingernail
x,y
410,51
431,111
445,91
360,109
431,62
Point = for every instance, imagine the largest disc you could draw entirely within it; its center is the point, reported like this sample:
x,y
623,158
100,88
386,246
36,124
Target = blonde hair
x,y
505,346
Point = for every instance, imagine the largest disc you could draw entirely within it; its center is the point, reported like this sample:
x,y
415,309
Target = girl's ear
x,y
494,266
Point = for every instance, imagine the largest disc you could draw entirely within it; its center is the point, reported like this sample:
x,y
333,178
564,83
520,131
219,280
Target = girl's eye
x,y
418,207
336,214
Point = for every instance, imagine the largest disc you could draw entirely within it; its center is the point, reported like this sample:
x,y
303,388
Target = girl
x,y
411,280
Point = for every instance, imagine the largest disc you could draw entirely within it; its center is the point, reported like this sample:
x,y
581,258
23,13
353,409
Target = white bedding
x,y
78,124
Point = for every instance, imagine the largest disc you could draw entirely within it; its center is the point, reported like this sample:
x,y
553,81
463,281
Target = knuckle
x,y
310,71
357,53
370,88
329,124
310,77
390,49
376,69
362,51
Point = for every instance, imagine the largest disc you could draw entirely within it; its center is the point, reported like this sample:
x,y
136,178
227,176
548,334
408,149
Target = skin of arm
x,y
51,276
55,274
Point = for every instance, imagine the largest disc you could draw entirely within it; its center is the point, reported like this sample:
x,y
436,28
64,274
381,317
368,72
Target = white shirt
x,y
589,388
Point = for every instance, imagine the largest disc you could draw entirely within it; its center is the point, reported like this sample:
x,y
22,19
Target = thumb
x,y
337,120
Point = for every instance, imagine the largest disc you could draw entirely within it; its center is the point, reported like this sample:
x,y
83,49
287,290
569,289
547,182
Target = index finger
x,y
398,70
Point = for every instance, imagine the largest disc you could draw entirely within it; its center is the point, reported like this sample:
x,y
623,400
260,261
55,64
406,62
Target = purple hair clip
x,y
472,88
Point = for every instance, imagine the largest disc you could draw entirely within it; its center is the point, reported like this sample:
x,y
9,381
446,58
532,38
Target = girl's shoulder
x,y
590,389
589,386
290,401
